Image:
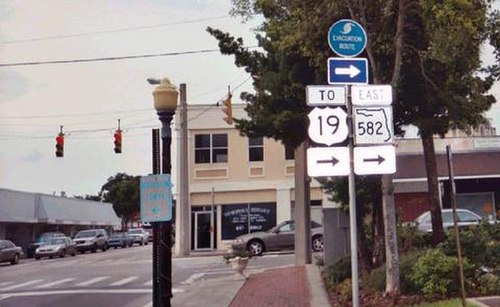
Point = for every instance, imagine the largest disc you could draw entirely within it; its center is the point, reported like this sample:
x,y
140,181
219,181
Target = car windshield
x,y
45,237
135,231
55,241
86,234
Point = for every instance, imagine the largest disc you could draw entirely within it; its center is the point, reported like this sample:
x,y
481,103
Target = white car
x,y
465,218
140,235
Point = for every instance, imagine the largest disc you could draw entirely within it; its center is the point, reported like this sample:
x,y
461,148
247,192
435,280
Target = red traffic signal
x,y
118,141
60,145
228,109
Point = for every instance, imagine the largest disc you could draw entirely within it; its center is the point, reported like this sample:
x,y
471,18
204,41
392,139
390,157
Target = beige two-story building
x,y
236,184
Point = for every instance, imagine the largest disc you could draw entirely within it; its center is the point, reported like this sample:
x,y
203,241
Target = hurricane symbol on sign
x,y
347,28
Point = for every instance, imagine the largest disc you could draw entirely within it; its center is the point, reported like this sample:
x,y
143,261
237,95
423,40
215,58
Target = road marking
x,y
58,282
193,278
123,281
21,285
148,283
5,283
92,281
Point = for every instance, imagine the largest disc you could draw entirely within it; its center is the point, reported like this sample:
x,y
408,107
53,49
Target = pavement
x,y
291,286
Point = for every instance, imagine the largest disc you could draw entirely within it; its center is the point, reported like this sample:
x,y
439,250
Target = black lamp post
x,y
165,102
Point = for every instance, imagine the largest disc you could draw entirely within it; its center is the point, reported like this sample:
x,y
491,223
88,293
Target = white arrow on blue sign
x,y
347,38
347,71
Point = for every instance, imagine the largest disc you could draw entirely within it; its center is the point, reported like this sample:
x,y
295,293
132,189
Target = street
x,y
113,278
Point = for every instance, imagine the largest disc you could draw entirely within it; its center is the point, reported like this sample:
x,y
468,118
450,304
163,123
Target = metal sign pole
x,y
352,207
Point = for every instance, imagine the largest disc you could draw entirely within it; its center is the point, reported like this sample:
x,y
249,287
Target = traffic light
x,y
60,145
228,109
118,141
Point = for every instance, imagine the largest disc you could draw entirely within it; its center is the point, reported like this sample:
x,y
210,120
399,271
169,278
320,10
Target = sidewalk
x,y
289,286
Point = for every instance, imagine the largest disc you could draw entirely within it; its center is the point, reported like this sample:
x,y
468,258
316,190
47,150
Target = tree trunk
x,y
378,254
391,241
433,187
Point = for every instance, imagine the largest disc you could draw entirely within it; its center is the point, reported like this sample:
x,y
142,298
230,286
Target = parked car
x,y
91,240
9,252
122,239
41,240
279,237
465,218
58,246
139,235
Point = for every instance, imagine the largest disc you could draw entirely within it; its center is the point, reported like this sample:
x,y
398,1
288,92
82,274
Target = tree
x,y
417,46
123,191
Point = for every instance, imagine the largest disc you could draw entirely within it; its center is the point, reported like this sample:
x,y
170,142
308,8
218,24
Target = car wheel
x,y
94,248
62,254
74,254
15,260
142,243
317,243
256,247
104,248
37,258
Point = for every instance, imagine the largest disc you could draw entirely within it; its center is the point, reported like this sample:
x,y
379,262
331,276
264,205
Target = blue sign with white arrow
x,y
347,71
347,38
156,198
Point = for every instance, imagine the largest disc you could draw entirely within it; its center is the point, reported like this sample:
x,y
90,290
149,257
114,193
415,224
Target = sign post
x,y
367,122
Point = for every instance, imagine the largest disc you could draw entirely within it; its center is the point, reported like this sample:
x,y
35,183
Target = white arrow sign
x,y
374,160
328,161
351,71
328,125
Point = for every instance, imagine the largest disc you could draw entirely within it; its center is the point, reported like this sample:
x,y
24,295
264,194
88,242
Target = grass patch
x,y
447,303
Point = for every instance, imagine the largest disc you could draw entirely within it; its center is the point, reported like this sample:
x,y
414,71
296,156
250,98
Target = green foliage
x,y
123,191
410,239
344,290
339,271
375,280
477,244
489,284
437,274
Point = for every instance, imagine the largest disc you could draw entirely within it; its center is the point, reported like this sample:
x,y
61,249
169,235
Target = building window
x,y
256,149
210,148
289,153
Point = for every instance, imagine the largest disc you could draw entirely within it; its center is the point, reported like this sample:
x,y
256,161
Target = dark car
x,y
57,246
279,237
91,240
122,239
9,252
41,240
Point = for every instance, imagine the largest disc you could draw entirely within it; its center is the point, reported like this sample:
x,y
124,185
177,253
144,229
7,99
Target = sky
x,y
88,98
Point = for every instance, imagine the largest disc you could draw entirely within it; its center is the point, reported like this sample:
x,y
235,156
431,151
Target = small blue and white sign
x,y
347,71
347,38
156,198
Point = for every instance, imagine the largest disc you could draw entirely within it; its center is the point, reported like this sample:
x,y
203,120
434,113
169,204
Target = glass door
x,y
204,235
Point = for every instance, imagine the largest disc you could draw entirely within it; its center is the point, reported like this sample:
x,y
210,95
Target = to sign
x,y
156,198
324,95
373,125
374,160
328,125
328,161
363,95
347,38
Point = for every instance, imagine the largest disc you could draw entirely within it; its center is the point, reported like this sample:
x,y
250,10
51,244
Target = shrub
x,y
376,279
339,271
409,239
436,273
489,284
345,291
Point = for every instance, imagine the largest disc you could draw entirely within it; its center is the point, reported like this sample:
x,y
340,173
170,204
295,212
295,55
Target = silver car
x,y
465,218
280,237
60,246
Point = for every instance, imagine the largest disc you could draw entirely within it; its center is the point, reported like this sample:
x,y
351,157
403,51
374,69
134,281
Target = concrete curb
x,y
319,295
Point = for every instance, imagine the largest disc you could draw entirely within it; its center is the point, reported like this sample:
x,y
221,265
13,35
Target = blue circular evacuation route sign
x,y
347,38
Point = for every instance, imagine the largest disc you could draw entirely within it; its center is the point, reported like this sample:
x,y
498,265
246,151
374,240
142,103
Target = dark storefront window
x,y
235,219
